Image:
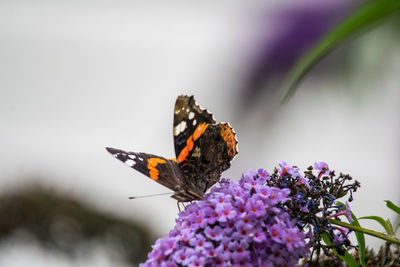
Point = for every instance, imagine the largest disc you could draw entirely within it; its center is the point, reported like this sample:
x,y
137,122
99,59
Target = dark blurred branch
x,y
63,224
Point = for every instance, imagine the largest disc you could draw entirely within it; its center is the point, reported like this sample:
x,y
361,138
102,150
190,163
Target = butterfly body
x,y
203,148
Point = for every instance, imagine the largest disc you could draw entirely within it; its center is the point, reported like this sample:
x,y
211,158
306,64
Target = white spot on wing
x,y
183,126
132,156
191,115
194,123
130,162
179,128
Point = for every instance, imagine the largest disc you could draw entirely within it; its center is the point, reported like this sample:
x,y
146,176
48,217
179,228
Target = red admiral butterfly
x,y
203,148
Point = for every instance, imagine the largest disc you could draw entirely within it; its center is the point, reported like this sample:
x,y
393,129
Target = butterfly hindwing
x,y
162,170
212,154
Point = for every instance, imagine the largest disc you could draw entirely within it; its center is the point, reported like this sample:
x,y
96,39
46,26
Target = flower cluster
x,y
238,224
262,220
313,201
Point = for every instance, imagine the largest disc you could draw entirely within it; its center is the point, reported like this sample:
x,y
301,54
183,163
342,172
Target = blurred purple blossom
x,y
320,166
294,31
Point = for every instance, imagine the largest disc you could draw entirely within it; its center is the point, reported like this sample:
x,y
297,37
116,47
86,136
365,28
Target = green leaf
x,y
390,226
366,16
392,206
379,220
359,235
397,227
361,241
347,258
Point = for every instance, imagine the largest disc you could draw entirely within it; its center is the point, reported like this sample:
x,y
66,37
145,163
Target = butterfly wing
x,y
161,170
213,153
203,149
190,122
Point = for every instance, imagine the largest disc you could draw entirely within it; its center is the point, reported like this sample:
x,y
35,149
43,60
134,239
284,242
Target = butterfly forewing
x,y
203,148
162,170
190,122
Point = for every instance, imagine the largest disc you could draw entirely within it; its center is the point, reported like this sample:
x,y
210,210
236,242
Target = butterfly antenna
x,y
153,195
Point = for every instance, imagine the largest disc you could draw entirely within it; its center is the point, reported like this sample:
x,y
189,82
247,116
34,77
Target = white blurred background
x,y
76,76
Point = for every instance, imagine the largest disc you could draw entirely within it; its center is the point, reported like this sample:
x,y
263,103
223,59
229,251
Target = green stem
x,y
388,238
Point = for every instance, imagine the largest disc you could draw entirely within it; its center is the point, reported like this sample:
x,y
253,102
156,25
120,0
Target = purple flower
x,y
304,181
348,213
198,222
200,243
182,256
238,193
222,199
228,227
286,168
263,174
258,235
225,212
248,176
255,207
214,216
276,233
196,261
321,165
277,257
264,192
214,233
277,196
243,231
219,261
292,239
169,246
339,239
238,224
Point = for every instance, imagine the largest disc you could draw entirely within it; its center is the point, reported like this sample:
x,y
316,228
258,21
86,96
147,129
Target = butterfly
x,y
203,149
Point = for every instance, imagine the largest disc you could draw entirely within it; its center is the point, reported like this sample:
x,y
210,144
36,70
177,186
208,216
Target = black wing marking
x,y
161,170
187,117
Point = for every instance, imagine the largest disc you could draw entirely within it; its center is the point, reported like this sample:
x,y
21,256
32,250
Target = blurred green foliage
x,y
366,17
65,225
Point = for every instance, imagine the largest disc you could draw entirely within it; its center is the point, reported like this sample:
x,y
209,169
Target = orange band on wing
x,y
190,142
199,130
151,165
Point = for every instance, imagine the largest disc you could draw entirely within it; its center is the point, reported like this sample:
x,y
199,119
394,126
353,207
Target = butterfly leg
x,y
179,208
183,195
180,203
194,195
